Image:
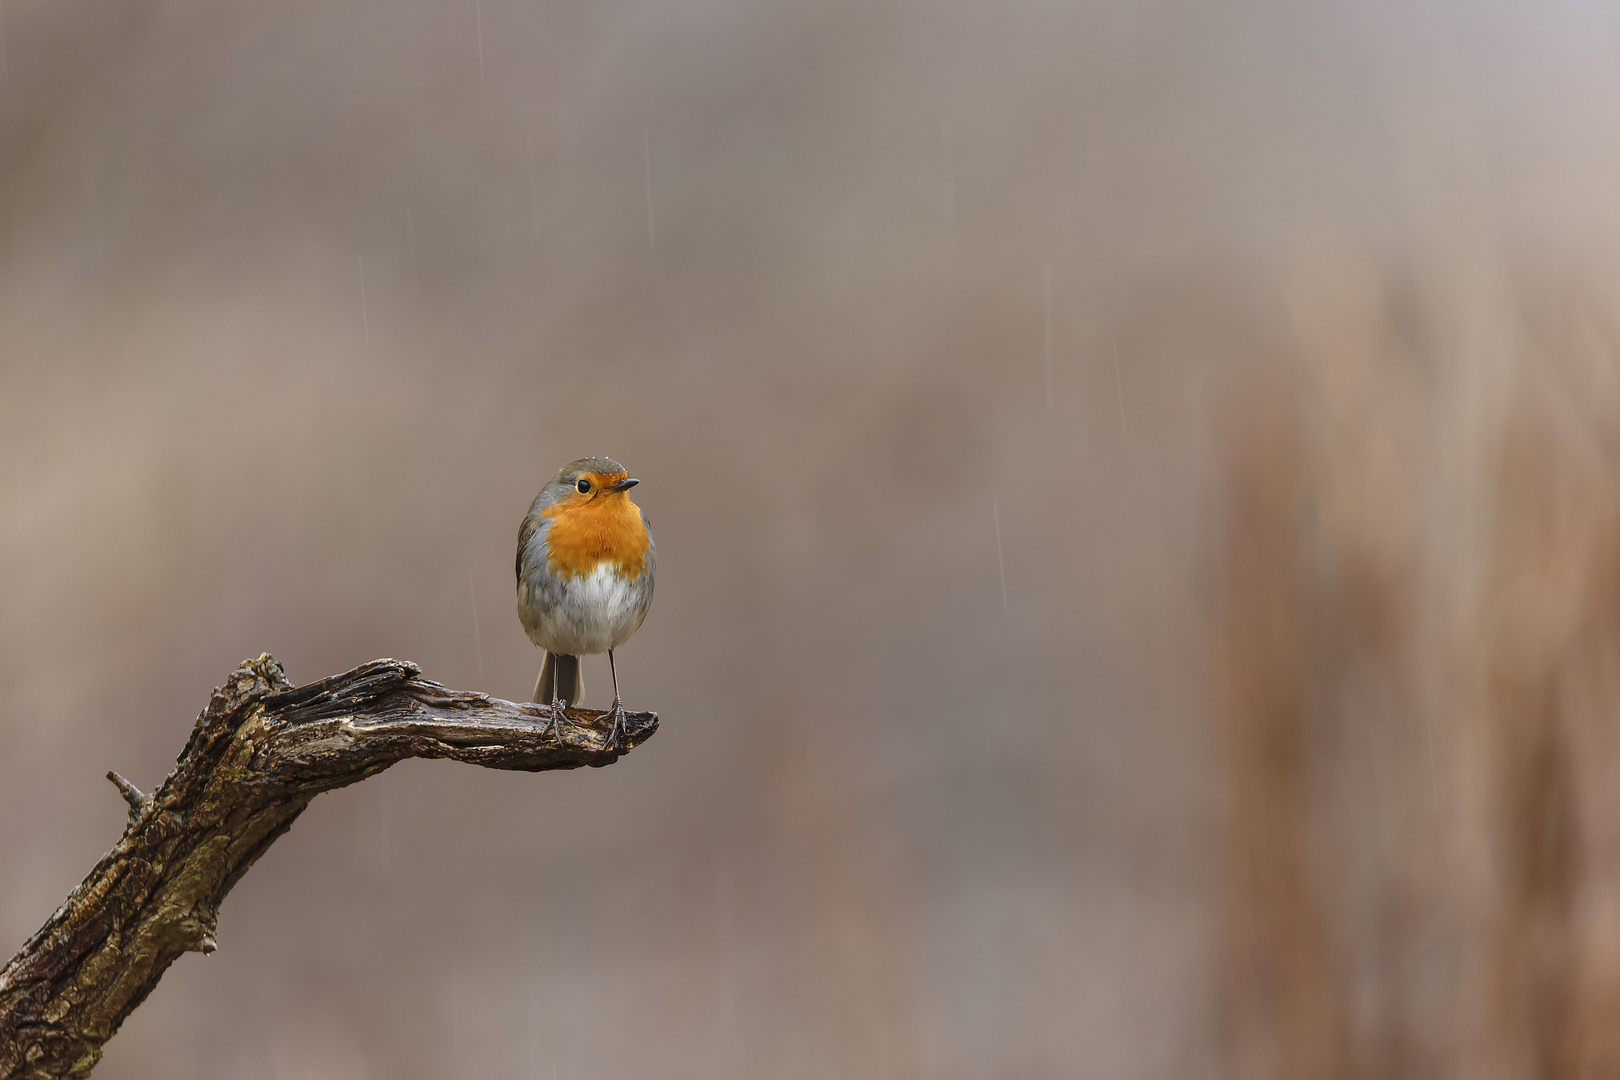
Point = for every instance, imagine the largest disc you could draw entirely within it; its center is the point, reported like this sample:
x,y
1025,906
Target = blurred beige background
x,y
1135,484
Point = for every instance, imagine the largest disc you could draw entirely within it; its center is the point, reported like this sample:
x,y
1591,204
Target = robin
x,y
584,577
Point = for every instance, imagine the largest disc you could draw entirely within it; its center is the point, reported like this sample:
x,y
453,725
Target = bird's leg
x,y
617,710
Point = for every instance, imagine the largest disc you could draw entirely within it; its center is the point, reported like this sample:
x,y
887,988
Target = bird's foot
x,y
559,713
616,735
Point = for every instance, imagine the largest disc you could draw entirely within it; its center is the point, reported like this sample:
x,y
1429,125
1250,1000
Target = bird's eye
x,y
584,487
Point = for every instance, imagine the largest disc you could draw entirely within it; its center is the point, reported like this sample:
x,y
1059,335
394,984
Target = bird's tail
x,y
566,672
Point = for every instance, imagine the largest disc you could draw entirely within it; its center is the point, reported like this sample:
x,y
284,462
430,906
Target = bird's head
x,y
591,479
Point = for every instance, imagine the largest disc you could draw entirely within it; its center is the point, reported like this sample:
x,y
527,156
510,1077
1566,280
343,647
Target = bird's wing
x,y
526,531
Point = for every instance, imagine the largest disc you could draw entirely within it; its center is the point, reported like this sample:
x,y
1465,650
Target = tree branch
x,y
258,754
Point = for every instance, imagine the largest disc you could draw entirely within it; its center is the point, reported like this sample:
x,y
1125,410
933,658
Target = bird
x,y
585,562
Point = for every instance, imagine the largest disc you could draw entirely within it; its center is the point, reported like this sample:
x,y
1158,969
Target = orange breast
x,y
586,532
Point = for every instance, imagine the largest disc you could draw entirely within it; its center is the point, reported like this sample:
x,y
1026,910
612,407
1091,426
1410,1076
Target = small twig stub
x,y
132,794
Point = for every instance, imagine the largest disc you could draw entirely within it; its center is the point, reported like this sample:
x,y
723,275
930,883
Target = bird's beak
x,y
623,485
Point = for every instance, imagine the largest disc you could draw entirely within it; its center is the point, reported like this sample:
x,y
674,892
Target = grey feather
x,y
571,686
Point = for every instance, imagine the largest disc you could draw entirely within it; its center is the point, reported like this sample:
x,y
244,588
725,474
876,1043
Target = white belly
x,y
590,614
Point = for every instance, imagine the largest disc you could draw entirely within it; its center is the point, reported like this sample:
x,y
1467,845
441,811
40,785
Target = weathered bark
x,y
259,753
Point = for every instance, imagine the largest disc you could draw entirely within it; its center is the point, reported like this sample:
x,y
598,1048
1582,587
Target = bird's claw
x,y
559,713
616,735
